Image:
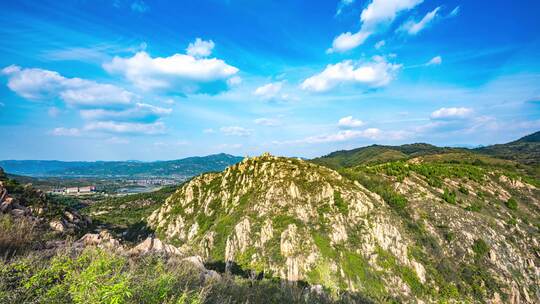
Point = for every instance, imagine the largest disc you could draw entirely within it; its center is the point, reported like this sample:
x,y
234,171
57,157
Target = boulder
x,y
154,245
57,225
103,239
7,205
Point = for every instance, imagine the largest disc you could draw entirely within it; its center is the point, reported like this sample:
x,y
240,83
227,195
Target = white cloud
x,y
343,135
350,122
109,108
348,41
380,44
455,11
376,73
126,127
435,61
451,113
270,91
200,48
179,73
36,84
235,131
140,112
377,15
139,6
413,28
66,132
269,122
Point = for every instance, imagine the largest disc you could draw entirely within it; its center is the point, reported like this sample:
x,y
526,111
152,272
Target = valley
x,y
380,224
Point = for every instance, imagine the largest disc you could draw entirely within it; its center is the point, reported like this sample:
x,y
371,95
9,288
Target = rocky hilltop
x,y
415,230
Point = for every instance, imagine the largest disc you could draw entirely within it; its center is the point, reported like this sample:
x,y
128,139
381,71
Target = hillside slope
x,y
425,230
525,150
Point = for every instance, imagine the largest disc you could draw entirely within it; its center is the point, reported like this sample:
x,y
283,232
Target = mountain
x,y
376,154
525,150
182,168
430,228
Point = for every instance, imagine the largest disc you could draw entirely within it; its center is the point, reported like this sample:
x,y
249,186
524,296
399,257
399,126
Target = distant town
x,y
126,186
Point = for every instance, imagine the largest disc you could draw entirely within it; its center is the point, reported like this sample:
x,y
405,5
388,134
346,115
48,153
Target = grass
x,y
96,276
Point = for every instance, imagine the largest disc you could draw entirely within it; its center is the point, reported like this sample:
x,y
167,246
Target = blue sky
x,y
148,80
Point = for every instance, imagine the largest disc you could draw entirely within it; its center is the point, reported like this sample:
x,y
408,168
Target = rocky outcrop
x,y
34,205
287,217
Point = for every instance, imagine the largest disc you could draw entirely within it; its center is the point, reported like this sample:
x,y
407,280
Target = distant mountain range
x,y
525,150
180,168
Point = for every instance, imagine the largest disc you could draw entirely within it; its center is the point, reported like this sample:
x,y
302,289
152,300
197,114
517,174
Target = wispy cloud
x,y
377,15
437,60
235,131
414,27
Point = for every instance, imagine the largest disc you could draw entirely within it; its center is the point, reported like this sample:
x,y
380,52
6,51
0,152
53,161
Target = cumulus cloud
x,y
270,91
179,73
373,74
37,84
348,41
235,131
350,122
126,127
435,61
413,27
451,113
269,122
66,132
377,15
105,107
200,48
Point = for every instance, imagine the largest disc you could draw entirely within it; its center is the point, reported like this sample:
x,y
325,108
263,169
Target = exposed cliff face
x,y
299,221
291,219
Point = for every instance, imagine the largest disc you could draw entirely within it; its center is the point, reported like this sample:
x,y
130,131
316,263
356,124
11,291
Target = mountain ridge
x,y
187,167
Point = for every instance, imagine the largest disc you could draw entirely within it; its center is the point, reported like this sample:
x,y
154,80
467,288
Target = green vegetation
x,y
128,213
480,248
96,276
449,196
511,204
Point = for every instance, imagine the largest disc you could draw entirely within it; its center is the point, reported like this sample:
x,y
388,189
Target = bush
x,y
480,248
511,204
449,196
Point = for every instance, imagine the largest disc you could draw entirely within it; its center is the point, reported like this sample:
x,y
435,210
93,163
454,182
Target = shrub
x,y
449,196
480,248
511,204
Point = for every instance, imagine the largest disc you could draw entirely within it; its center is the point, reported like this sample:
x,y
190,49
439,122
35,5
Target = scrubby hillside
x,y
376,154
525,150
431,228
